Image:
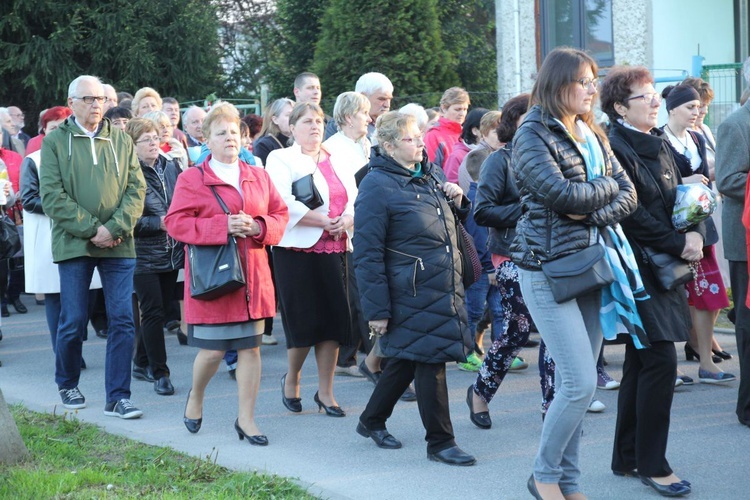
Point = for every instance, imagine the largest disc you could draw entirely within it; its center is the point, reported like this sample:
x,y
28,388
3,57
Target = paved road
x,y
707,445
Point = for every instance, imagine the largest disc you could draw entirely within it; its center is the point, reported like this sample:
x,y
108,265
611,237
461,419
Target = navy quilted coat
x,y
407,264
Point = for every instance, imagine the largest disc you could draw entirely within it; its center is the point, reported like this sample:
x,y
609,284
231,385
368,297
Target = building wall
x,y
516,42
632,32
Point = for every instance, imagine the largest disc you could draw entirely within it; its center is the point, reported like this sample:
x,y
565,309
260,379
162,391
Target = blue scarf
x,y
618,313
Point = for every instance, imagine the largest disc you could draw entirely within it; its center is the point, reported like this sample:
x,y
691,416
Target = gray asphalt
x,y
707,445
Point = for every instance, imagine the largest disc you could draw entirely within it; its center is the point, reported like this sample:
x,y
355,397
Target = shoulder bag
x,y
215,270
10,240
304,190
578,274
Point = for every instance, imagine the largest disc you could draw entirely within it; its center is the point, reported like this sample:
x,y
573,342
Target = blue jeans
x,y
572,333
479,294
117,283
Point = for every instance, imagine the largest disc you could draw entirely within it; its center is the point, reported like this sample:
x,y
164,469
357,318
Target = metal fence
x,y
727,82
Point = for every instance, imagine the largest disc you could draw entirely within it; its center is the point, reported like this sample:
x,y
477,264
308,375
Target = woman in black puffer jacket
x,y
409,275
571,188
158,257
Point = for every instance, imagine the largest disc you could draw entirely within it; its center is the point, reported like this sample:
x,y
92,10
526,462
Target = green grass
x,y
71,459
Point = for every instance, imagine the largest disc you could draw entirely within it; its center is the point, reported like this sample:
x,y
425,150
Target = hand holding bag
x,y
215,270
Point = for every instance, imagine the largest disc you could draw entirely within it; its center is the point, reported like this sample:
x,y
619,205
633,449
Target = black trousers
x,y
432,399
154,291
739,278
360,338
643,409
11,279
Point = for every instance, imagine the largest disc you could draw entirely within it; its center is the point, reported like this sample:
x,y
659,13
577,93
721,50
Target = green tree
x,y
171,45
399,38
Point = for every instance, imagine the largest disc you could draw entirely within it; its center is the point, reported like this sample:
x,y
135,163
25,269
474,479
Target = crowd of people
x,y
360,229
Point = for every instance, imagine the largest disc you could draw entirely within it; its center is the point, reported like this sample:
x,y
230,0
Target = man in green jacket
x,y
92,188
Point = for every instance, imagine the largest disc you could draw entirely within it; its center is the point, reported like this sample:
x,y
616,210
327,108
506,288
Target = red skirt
x,y
707,292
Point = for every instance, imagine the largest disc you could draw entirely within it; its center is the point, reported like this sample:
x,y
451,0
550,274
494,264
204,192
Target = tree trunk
x,y
12,449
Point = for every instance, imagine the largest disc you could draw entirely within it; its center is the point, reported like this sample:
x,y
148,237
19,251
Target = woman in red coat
x,y
258,218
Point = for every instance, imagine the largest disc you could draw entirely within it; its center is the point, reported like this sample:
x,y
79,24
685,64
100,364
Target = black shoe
x,y
4,311
143,373
193,424
163,386
72,399
292,404
1,335
83,363
481,419
722,354
40,302
331,411
452,456
181,337
691,354
478,350
669,490
371,376
531,343
19,307
102,334
232,373
409,394
531,485
173,325
259,440
382,438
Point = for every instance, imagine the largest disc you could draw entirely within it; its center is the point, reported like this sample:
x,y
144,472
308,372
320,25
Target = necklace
x,y
686,152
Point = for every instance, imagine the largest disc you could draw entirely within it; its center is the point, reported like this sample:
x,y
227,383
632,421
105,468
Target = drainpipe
x,y
517,18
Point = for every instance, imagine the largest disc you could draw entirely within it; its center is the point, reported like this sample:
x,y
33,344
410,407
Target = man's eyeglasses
x,y
89,99
148,140
585,83
647,98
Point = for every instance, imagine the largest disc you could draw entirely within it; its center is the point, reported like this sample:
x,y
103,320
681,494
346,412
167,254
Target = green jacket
x,y
89,182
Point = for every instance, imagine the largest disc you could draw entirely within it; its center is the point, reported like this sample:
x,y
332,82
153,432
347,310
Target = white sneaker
x,y
596,406
269,340
678,382
352,371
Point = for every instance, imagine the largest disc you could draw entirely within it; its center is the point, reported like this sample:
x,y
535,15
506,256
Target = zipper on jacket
x,y
417,262
549,233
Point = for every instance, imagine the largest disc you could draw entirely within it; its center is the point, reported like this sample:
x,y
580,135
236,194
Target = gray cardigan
x,y
732,165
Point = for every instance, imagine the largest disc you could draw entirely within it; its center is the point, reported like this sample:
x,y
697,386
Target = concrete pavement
x,y
707,445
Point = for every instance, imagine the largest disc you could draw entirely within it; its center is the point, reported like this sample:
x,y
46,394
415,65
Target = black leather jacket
x,y
155,250
498,202
551,175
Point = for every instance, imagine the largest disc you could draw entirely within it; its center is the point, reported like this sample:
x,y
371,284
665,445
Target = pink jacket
x,y
195,217
441,139
453,162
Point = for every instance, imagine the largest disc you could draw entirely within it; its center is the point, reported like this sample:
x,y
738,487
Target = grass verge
x,y
71,459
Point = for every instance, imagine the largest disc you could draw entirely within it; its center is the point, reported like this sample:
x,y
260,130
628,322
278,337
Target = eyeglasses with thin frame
x,y
648,97
148,140
89,99
413,140
585,83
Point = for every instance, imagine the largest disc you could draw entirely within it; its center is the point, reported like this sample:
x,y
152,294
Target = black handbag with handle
x,y
671,272
305,191
215,270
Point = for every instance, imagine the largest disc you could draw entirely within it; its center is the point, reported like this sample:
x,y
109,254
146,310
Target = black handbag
x,y
671,272
215,270
304,191
10,240
469,256
579,273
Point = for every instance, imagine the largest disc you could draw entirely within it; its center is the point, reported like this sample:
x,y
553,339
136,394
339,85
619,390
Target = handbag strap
x,y
651,174
218,198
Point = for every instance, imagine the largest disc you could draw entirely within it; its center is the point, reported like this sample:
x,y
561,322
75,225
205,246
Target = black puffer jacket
x,y
155,250
498,203
551,175
407,265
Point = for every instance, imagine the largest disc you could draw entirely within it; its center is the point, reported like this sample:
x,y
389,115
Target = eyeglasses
x,y
413,140
647,98
585,83
89,99
148,140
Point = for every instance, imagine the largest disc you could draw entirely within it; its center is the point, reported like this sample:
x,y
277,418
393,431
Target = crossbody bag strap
x,y
218,198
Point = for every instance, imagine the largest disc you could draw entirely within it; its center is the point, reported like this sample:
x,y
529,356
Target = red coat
x,y
440,139
195,217
13,162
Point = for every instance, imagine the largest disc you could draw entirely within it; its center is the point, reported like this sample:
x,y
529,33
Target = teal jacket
x,y
89,182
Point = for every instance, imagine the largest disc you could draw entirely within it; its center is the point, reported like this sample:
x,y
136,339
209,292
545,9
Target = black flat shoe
x,y
691,354
531,485
409,394
193,424
531,343
258,440
1,335
102,334
626,473
181,337
291,404
382,438
371,376
163,386
670,490
452,456
481,419
19,306
331,411
143,373
722,354
4,311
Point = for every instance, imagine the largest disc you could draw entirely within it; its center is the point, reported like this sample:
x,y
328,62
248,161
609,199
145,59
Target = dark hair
x,y
618,84
124,95
512,111
118,112
300,79
472,121
254,123
559,71
703,87
169,100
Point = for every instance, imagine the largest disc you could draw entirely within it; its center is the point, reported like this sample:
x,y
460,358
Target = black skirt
x,y
312,297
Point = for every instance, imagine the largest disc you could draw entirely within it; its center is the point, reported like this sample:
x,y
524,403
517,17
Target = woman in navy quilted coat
x,y
409,275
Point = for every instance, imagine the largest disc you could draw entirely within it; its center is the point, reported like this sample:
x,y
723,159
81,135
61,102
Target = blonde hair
x,y
145,92
454,95
274,111
347,105
139,126
489,122
391,127
222,110
159,117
